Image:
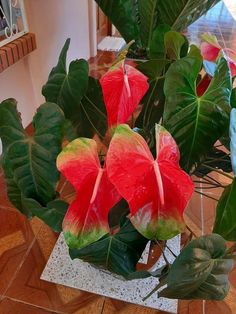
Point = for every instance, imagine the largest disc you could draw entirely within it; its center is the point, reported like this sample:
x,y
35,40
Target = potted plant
x,y
131,170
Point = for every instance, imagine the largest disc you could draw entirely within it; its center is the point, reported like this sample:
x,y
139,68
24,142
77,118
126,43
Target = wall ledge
x,y
16,50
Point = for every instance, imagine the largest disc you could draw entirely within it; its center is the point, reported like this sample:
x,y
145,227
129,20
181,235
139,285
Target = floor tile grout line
x,y
33,305
20,265
103,305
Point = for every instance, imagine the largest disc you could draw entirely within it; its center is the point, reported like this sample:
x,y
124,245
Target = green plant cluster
x,y
75,107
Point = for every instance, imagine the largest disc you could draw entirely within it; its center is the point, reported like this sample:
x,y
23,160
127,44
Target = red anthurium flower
x,y
210,50
203,85
123,87
157,190
86,220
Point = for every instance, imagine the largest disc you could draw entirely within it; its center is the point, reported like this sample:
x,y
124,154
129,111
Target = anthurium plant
x,y
134,145
144,21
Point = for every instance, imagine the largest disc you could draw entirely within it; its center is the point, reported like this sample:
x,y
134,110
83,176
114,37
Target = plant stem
x,y
210,179
171,251
205,182
231,249
162,283
218,171
163,253
204,194
190,230
210,187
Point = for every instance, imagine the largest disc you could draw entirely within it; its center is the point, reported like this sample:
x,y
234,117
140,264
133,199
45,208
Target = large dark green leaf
x,y
148,19
196,122
181,13
233,139
30,162
118,253
233,98
157,46
67,89
200,271
92,111
153,101
79,96
53,214
225,223
121,14
11,128
176,45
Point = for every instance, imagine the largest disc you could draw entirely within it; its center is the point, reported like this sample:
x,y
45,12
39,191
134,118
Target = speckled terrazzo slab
x,y
62,270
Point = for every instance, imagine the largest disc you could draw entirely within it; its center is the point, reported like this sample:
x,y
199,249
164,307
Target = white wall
x,y
52,21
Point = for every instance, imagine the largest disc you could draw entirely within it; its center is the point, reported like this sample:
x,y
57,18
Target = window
x,y
12,20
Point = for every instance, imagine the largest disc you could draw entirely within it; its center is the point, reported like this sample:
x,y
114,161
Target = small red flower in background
x,y
157,190
203,85
210,50
123,87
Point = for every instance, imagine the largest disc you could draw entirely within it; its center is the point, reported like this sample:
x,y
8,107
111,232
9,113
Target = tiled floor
x,y
26,245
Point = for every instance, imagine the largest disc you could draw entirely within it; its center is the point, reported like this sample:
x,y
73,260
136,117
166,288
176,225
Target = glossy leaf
x,y
154,99
92,112
29,162
11,129
118,253
181,13
123,87
148,19
225,223
157,190
195,122
200,271
86,220
121,14
52,214
232,132
157,47
67,89
78,95
176,45
233,98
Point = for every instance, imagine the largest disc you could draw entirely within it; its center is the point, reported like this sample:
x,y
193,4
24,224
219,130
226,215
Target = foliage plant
x,y
134,145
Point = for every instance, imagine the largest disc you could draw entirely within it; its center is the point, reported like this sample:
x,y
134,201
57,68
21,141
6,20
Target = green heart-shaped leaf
x,y
29,163
196,122
53,214
200,271
79,96
118,253
225,222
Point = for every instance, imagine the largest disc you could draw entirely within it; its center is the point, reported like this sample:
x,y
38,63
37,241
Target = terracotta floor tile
x,y
114,306
8,306
191,307
16,236
28,287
